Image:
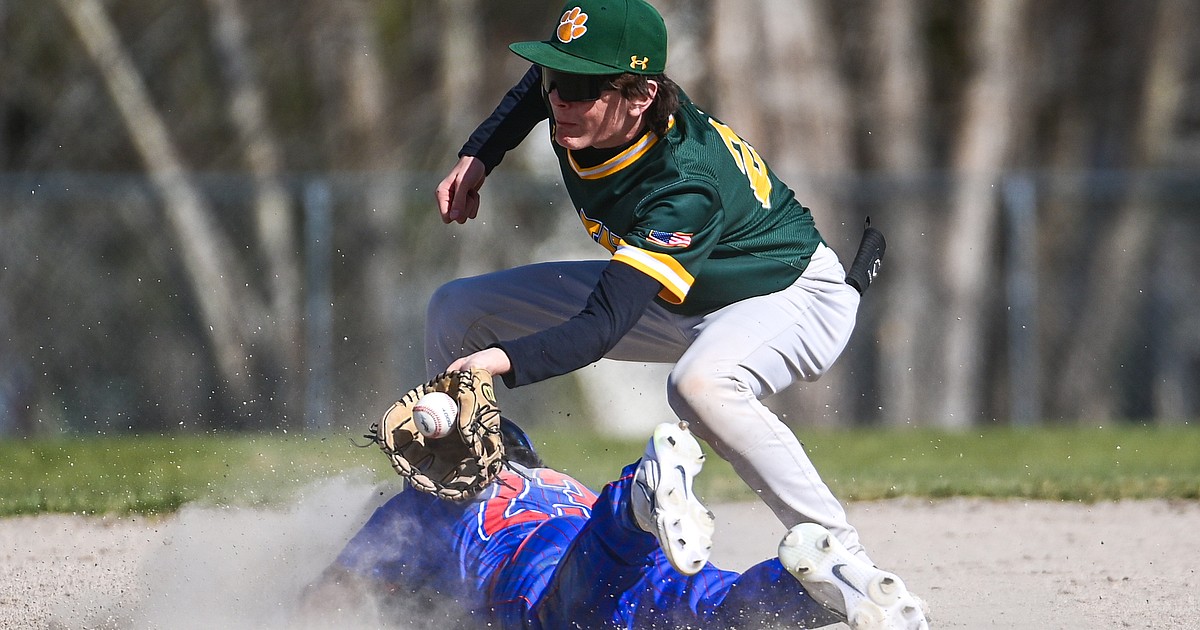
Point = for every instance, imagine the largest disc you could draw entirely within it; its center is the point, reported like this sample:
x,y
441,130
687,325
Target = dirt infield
x,y
979,563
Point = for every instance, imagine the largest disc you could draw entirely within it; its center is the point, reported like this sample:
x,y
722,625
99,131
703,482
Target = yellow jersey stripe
x,y
619,161
675,279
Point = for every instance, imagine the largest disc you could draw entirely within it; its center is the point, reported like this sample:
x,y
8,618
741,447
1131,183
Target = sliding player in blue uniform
x,y
714,265
537,549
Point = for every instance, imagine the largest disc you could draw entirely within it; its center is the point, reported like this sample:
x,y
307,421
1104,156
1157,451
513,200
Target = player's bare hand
x,y
458,194
494,360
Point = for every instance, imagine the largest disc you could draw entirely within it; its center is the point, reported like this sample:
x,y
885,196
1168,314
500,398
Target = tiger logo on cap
x,y
571,25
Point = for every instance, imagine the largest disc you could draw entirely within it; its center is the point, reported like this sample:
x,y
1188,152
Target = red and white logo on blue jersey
x,y
669,239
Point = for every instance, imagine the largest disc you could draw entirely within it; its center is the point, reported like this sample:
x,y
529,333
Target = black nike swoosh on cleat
x,y
683,476
837,572
649,496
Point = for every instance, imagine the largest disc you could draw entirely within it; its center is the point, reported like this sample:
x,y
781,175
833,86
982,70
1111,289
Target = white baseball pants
x,y
725,362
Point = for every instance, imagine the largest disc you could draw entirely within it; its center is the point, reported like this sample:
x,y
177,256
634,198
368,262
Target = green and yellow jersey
x,y
698,210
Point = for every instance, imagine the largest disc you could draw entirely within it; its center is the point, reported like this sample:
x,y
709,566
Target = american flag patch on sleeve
x,y
669,239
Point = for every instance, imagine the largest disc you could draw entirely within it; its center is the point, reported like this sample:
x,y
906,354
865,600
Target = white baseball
x,y
435,414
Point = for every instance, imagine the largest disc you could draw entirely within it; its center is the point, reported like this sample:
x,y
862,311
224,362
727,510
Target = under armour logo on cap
x,y
601,37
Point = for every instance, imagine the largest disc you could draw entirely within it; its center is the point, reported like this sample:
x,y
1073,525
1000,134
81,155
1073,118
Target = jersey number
x,y
562,496
748,162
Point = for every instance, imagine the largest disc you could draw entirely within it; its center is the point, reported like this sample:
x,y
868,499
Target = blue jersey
x,y
540,550
461,544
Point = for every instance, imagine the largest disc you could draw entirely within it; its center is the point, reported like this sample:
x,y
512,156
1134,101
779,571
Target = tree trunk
x,y
227,311
993,111
273,206
393,298
361,119
736,44
459,78
1118,270
810,123
4,115
461,71
1177,359
901,90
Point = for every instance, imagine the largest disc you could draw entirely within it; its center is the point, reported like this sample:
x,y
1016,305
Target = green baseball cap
x,y
602,37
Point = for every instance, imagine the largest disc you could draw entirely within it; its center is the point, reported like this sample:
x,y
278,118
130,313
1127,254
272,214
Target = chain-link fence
x,y
1088,308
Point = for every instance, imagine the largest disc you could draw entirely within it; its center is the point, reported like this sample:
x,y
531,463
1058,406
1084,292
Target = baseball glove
x,y
459,465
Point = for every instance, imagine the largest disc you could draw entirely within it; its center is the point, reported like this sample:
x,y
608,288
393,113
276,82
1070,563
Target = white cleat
x,y
869,598
664,503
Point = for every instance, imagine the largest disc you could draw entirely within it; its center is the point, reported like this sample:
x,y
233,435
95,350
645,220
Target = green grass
x,y
1092,464
1056,464
159,474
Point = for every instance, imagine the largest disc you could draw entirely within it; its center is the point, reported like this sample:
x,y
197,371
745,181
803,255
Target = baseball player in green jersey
x,y
714,266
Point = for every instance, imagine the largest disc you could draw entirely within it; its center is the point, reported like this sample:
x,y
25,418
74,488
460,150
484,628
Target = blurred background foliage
x,y
217,214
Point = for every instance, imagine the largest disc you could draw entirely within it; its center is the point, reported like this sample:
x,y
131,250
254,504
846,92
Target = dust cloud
x,y
247,567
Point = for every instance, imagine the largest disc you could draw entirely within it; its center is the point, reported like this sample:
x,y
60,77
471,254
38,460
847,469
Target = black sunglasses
x,y
576,87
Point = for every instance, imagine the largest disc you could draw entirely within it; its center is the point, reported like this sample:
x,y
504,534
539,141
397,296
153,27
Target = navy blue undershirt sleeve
x,y
621,296
521,109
